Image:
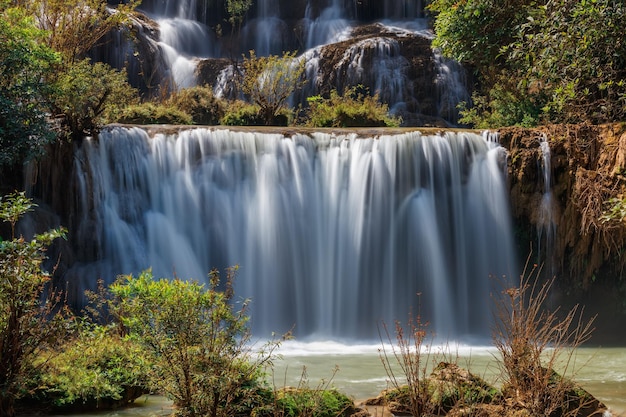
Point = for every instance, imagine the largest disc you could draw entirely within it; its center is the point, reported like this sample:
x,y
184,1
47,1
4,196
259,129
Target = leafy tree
x,y
577,51
559,61
269,81
27,320
73,27
24,66
237,10
88,95
199,341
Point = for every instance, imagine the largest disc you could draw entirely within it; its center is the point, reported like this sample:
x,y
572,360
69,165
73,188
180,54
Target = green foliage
x,y
538,61
97,368
24,65
200,103
268,82
237,10
150,113
28,319
198,339
240,113
615,212
500,107
301,402
353,109
576,50
89,95
474,31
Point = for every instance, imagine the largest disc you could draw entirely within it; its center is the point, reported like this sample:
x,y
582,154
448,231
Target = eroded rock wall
x,y
588,168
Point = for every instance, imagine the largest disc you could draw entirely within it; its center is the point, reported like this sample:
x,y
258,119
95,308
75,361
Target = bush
x,y
90,95
96,369
240,113
150,113
353,109
200,103
30,320
199,341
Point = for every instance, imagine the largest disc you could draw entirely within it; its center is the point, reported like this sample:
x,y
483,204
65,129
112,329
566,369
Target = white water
x,y
546,226
333,233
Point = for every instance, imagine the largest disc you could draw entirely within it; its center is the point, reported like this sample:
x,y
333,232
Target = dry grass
x,y
534,343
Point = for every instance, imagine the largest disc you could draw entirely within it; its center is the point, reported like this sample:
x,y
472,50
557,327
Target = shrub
x,y
96,369
199,341
149,113
532,341
411,353
305,401
353,109
240,113
200,103
89,95
30,320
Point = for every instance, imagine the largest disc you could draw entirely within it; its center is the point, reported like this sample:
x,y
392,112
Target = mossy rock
x,y
452,386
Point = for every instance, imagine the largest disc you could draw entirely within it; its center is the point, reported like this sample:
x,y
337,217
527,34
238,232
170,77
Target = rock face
x,y
588,165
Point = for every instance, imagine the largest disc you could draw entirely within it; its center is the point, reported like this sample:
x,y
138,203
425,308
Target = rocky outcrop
x,y
588,168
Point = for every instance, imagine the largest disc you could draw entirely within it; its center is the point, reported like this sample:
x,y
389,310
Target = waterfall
x,y
546,226
332,232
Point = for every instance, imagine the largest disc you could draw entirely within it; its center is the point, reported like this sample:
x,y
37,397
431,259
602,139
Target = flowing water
x,y
333,233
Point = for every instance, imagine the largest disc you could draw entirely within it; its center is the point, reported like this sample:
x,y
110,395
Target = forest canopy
x,y
537,62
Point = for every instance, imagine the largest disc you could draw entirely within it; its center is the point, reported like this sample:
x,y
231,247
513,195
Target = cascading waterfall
x,y
333,233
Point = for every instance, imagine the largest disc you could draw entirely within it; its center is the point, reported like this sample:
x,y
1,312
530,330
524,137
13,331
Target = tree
x,y
237,10
73,27
576,50
28,322
538,61
269,81
88,95
25,64
199,341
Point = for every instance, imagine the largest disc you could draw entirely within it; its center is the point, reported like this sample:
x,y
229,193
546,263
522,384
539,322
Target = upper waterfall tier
x,y
384,46
333,233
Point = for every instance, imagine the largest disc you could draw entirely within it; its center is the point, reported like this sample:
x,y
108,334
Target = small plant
x,y
304,401
411,352
533,343
240,113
